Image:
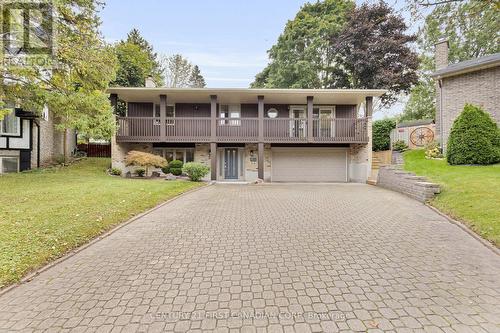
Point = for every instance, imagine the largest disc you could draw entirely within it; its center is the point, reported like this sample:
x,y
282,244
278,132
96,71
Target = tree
x,y
474,138
472,30
301,58
180,73
134,37
72,81
421,103
332,44
197,80
143,159
382,134
374,51
134,65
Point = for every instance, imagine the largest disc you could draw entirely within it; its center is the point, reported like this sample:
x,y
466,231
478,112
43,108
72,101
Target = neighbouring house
x,y
475,81
279,135
29,141
415,133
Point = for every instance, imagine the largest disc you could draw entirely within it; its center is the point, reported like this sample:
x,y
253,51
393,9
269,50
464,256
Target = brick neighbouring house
x,y
29,141
475,81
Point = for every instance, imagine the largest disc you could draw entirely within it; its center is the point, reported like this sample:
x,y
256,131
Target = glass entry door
x,y
231,163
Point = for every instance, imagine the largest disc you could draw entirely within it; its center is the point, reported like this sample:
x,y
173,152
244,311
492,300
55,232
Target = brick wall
x,y
478,88
393,178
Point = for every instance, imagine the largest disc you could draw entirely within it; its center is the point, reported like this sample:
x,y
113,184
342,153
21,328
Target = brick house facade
x,y
475,81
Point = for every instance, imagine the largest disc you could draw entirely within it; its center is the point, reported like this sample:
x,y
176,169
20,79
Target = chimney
x,y
150,83
441,53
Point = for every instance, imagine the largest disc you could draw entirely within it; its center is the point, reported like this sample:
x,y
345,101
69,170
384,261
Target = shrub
x,y
174,167
195,171
474,138
399,145
432,150
140,172
145,160
116,172
382,134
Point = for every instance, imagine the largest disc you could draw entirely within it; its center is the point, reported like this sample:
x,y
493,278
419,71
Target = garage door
x,y
309,165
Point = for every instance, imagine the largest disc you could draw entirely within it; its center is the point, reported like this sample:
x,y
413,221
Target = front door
x,y
231,163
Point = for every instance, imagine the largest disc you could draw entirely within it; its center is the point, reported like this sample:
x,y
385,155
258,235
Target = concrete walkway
x,y
271,258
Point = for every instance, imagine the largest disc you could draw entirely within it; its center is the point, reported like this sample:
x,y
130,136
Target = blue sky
x,y
228,39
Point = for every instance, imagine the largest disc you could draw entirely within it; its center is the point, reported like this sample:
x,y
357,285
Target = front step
x,y
371,181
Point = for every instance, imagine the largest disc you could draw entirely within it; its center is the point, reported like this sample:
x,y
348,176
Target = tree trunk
x,y
65,145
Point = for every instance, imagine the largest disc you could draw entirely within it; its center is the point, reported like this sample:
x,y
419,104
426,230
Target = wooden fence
x,y
96,149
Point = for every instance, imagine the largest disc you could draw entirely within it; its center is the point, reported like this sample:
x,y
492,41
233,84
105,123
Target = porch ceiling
x,y
243,95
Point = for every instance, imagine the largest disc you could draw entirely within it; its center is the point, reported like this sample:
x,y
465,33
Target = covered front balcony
x,y
280,130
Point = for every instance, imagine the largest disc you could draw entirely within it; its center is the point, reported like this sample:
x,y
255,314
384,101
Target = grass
x,y
46,213
470,194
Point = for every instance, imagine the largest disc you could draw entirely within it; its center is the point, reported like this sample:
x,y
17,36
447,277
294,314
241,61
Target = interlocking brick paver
x,y
271,258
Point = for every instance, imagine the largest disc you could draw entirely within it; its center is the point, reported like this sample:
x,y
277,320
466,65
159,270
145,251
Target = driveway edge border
x,y
79,249
465,228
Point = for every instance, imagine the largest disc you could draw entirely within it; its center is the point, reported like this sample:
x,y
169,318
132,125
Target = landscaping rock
x,y
170,176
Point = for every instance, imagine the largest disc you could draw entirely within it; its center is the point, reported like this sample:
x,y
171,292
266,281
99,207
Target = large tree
x,y
472,29
301,58
180,73
136,62
196,79
373,51
135,37
333,44
72,81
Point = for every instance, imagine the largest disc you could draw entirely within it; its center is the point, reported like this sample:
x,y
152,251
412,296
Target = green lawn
x,y
470,194
45,213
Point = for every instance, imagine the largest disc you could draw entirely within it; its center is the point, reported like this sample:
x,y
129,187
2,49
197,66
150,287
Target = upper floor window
x,y
10,124
231,111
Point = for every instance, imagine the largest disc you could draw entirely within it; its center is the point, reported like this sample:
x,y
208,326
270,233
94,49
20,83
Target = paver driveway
x,y
273,257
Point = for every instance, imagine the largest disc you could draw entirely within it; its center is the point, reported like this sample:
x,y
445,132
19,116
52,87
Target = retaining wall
x,y
393,178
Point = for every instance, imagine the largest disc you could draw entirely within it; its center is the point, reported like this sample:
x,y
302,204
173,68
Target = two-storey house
x,y
278,135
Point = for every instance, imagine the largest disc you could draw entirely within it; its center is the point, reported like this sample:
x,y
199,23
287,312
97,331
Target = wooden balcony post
x,y
213,118
369,106
213,137
163,116
260,144
310,119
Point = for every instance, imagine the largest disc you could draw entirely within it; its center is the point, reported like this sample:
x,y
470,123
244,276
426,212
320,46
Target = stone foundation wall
x,y
120,150
393,178
360,158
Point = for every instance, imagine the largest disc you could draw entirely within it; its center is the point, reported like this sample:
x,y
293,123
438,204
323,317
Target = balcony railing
x,y
277,130
237,129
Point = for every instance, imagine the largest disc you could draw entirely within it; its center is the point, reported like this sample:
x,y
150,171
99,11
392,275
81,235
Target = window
x,y
9,164
230,111
170,114
182,154
10,124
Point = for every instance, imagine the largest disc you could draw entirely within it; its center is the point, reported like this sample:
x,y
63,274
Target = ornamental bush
x,y
399,145
175,167
195,171
474,138
432,150
382,134
145,160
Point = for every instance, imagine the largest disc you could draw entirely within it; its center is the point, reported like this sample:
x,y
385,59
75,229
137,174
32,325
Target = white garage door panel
x,y
309,165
